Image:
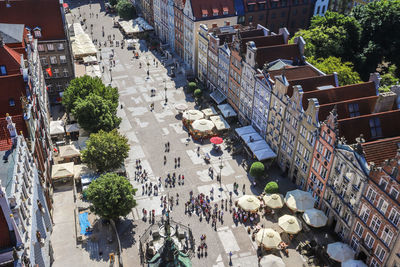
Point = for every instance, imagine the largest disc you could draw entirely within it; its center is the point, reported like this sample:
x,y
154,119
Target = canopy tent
x,y
289,224
63,170
56,127
227,111
134,26
269,238
208,112
220,123
93,71
298,200
217,96
274,201
90,59
192,115
203,125
249,203
315,218
272,261
70,128
81,43
340,252
256,143
69,151
181,107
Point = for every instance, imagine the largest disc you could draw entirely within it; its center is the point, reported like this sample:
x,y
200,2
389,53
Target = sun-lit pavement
x,y
148,131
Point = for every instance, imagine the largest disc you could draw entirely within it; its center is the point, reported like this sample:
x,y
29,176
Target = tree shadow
x,y
126,231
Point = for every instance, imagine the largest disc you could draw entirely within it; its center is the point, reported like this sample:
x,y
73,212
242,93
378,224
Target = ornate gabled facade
x,y
262,98
202,53
224,55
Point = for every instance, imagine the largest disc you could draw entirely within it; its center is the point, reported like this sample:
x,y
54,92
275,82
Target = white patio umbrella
x,y
289,224
63,170
315,218
69,151
298,200
249,203
274,201
203,125
268,237
353,263
272,261
340,252
181,107
192,115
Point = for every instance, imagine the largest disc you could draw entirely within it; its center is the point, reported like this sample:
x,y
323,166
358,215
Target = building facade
x,y
262,98
203,53
375,232
171,25
156,10
163,34
53,41
148,11
25,223
321,6
224,56
179,28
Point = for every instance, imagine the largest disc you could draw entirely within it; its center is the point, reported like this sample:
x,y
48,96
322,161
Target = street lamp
x,y
220,171
165,89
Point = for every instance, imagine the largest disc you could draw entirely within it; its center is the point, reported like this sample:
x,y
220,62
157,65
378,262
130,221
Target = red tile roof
x,y
381,150
11,59
365,106
261,41
43,13
295,73
311,83
351,128
251,33
5,240
268,54
20,125
209,6
11,86
340,93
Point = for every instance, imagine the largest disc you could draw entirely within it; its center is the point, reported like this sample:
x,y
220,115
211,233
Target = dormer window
x,y
225,10
215,12
3,70
375,126
38,32
204,13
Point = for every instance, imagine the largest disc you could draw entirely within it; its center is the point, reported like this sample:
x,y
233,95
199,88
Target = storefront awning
x,y
227,111
217,96
255,142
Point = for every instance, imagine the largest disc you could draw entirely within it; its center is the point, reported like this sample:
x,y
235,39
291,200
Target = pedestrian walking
x,y
165,159
244,188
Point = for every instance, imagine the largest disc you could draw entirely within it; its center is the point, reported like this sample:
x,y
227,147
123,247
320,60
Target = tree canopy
x,y
105,151
95,113
111,196
125,9
271,188
344,70
81,87
257,169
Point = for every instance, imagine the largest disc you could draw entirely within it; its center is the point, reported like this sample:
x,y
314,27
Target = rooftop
x,y
45,14
262,41
295,73
312,83
268,54
12,33
5,239
7,163
11,59
381,150
210,9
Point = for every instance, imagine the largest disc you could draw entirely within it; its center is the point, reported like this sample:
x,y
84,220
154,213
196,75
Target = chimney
x,y
385,102
285,34
376,78
335,75
301,43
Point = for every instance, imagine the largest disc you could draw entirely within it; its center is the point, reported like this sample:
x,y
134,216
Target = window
x,y
346,217
53,60
323,10
394,193
371,195
63,59
273,15
65,73
383,183
354,243
307,155
50,47
261,6
387,235
250,18
327,155
318,9
261,17
359,230
11,102
250,7
394,216
56,73
375,224
44,61
323,172
374,263
60,46
37,32
380,253
40,47
382,205
375,126
303,131
369,240
3,70
364,214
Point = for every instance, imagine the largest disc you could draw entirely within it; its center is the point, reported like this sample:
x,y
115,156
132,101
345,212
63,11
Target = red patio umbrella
x,y
216,140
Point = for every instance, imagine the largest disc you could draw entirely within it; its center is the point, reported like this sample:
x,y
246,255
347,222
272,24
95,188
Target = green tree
x,y
388,79
257,169
192,86
271,188
345,70
94,113
125,9
111,196
380,36
80,88
333,34
105,151
198,93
